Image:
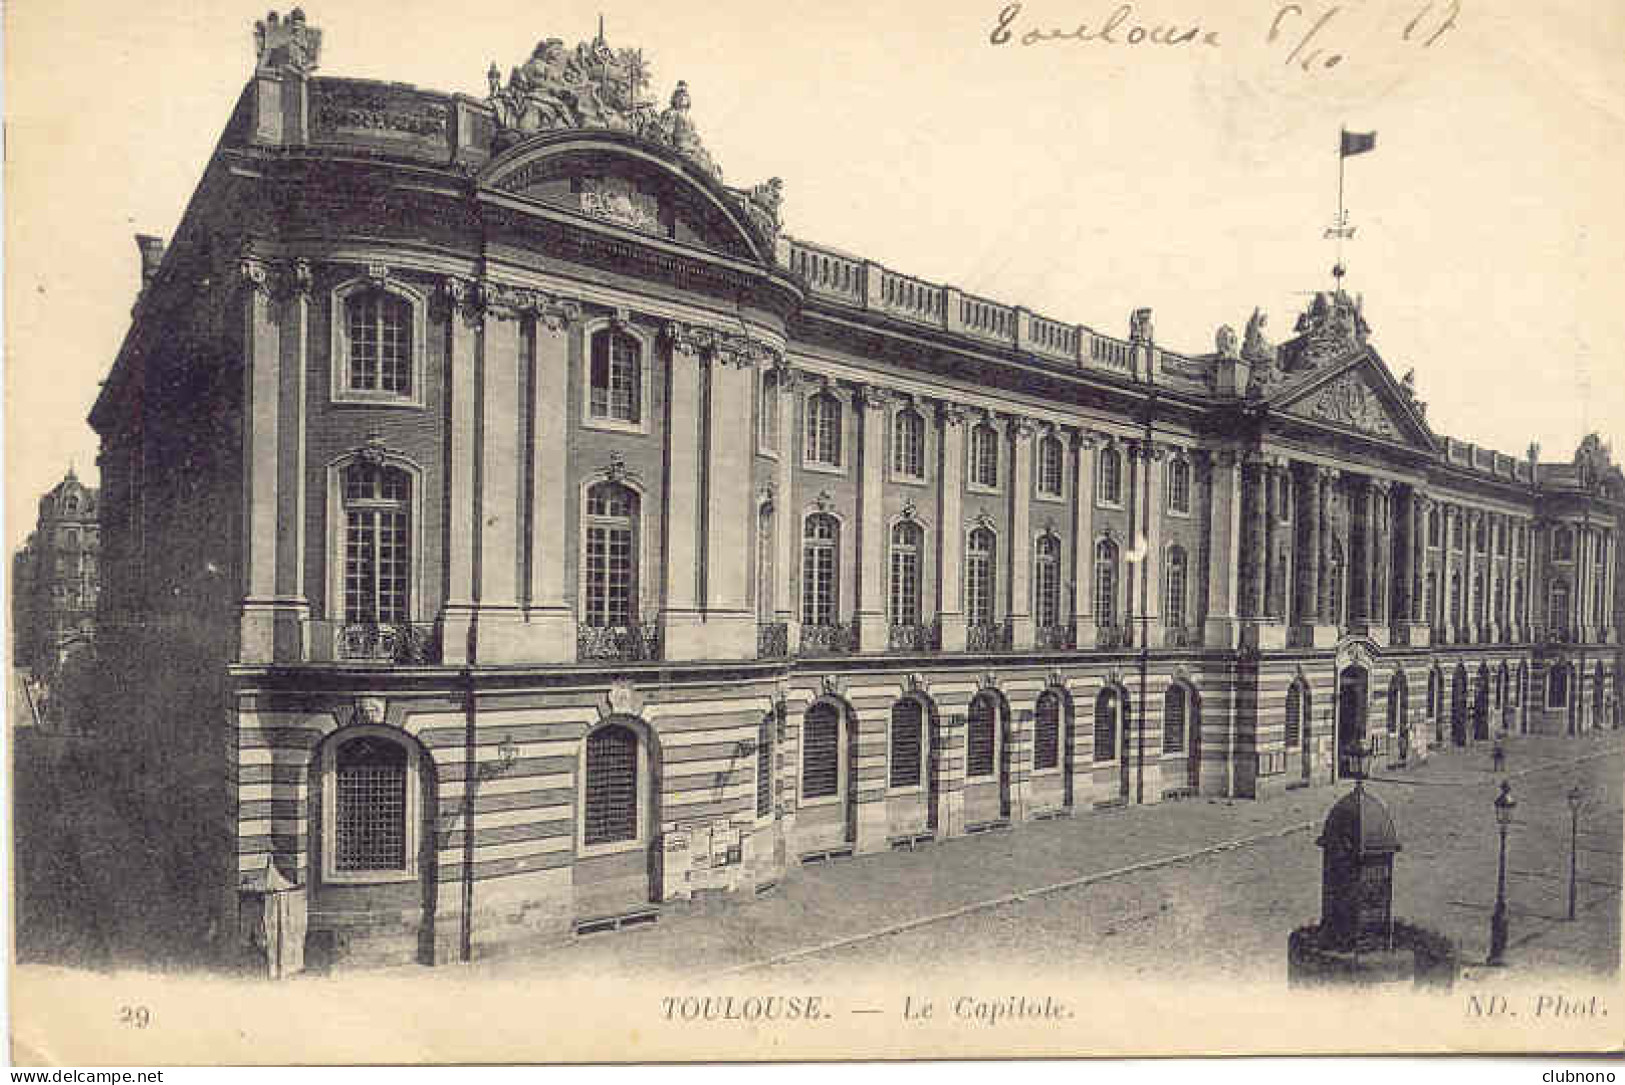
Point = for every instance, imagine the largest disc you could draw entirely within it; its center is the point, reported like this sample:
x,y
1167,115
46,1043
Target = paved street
x,y
1099,893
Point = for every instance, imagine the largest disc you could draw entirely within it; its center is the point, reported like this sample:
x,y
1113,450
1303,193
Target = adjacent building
x,y
56,581
541,536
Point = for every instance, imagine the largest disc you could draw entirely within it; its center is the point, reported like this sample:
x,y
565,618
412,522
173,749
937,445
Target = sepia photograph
x,y
548,532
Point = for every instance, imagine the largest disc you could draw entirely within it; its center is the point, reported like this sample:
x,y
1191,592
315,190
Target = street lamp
x,y
1504,805
1576,798
1358,756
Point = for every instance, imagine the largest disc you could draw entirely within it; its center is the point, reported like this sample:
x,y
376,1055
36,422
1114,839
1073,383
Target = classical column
x,y
730,625
1256,511
1224,548
1279,545
950,494
496,564
1021,487
550,614
273,609
1327,606
464,323
1152,458
1417,566
1382,569
1361,525
1307,611
680,612
1469,540
872,623
785,517
1083,541
1404,521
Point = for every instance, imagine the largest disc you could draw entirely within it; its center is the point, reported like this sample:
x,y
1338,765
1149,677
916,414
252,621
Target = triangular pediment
x,y
1358,395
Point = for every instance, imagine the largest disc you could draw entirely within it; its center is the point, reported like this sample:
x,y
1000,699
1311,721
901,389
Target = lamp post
x,y
1359,754
1576,798
1504,805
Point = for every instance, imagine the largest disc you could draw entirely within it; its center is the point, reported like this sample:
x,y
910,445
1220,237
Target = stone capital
x,y
951,414
872,397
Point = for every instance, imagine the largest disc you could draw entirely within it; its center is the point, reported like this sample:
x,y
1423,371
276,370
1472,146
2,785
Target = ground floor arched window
x,y
1047,731
610,787
981,737
1109,711
820,752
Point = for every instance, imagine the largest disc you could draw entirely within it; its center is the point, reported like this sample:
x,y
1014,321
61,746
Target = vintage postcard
x,y
561,532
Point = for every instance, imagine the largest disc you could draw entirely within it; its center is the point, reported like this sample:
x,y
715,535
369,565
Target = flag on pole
x,y
1357,142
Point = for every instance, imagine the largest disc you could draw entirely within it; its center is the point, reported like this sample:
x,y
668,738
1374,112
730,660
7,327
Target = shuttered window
x,y
820,757
980,738
1173,720
1294,716
1107,706
1047,731
611,788
907,720
764,766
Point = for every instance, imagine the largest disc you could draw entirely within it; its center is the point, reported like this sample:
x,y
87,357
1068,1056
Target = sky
x,y
1080,178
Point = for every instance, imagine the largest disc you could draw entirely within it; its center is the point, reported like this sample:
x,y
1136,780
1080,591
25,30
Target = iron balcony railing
x,y
1113,636
838,638
772,640
1055,636
1179,636
914,637
988,637
387,642
630,643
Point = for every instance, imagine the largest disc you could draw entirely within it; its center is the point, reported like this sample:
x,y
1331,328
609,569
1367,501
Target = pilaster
x,y
464,322
950,496
1224,543
680,614
1083,542
549,615
784,517
730,625
1149,502
1021,485
872,548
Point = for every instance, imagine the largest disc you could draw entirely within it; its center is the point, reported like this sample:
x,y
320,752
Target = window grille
x,y
905,574
820,758
1050,470
984,456
979,574
611,558
980,740
824,430
380,329
617,377
377,546
1111,477
370,798
611,814
1173,720
907,721
1179,487
1047,581
770,409
908,444
1173,608
1105,582
1294,716
1107,709
1047,731
820,539
764,765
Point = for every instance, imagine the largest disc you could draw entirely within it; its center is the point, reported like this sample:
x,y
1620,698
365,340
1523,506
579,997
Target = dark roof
x,y
1360,823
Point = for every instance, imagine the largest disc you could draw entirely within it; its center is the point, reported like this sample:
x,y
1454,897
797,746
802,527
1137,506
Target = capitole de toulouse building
x,y
566,540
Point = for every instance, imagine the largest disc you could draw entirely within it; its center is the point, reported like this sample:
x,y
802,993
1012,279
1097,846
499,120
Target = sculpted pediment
x,y
1360,397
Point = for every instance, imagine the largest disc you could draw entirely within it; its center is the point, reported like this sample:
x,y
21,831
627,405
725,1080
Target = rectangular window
x,y
905,586
1047,741
616,377
370,819
820,774
818,585
979,747
609,576
611,808
978,591
764,766
375,567
905,751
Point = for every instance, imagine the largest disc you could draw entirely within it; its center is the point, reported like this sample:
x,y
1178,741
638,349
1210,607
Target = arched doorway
x,y
371,826
1110,755
911,764
1458,706
617,867
1052,750
827,816
987,760
1298,739
1182,733
1481,703
1353,685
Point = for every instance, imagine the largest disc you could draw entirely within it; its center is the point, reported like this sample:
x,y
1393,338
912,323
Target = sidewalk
x,y
834,907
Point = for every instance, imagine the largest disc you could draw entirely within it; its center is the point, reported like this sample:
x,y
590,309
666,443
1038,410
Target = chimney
x,y
152,254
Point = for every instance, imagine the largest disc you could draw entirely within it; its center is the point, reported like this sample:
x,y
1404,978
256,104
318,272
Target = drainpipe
x,y
465,930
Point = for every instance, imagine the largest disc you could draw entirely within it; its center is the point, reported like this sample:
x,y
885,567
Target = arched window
x,y
979,577
1050,468
770,410
1455,599
617,377
379,327
610,564
1110,483
766,730
820,567
1557,686
610,791
1433,527
377,544
1106,583
1557,609
1179,486
370,806
905,574
984,456
908,444
1173,587
907,732
824,430
821,752
981,736
1047,581
1047,731
1297,708
1562,543
1108,713
1173,719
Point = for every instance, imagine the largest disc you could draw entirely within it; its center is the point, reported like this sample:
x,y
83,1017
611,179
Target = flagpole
x,y
1337,278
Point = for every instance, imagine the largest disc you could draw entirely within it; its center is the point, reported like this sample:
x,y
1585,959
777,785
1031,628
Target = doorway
x,y
1352,687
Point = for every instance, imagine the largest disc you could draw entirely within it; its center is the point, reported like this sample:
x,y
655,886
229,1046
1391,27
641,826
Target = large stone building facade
x,y
578,542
